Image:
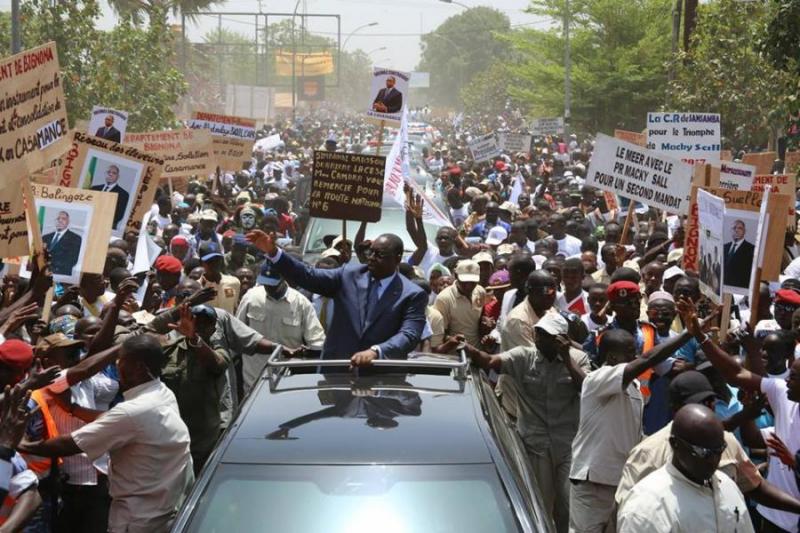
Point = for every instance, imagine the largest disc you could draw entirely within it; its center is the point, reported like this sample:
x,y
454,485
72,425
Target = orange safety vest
x,y
649,334
41,465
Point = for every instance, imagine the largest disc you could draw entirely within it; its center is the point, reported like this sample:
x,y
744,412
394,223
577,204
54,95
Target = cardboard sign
x,y
186,152
763,161
691,137
13,220
109,124
347,186
726,155
640,174
75,225
484,148
514,143
791,161
388,94
100,165
744,206
33,115
736,176
230,153
778,184
224,125
547,126
633,137
711,214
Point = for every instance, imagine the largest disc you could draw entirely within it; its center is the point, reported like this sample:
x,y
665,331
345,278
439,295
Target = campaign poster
x,y
484,148
388,94
711,213
547,126
186,152
736,176
691,137
109,124
515,143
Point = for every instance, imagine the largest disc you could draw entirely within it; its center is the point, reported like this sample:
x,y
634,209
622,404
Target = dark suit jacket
x,y
65,255
740,266
110,134
395,324
122,202
394,102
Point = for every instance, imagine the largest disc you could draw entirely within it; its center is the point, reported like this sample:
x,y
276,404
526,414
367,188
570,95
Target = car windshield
x,y
392,221
354,499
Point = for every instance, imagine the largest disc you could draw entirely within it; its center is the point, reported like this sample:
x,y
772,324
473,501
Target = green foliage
x,y
129,68
619,51
137,11
725,73
461,48
781,40
488,92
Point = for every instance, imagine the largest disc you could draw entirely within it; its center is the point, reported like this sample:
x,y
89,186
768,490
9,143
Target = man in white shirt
x,y
151,467
688,494
567,244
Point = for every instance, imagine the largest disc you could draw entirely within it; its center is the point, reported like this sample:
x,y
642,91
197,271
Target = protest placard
x,y
778,184
347,186
484,148
790,161
33,115
711,214
230,153
75,225
224,125
109,124
633,137
741,206
514,143
691,137
13,221
186,152
388,94
100,165
736,176
639,174
763,161
547,126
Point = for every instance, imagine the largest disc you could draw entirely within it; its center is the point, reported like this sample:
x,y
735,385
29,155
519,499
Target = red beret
x,y
16,354
456,171
500,165
787,296
168,264
621,289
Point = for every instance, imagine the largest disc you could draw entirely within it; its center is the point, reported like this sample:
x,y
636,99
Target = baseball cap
x,y
338,240
209,214
483,257
180,240
208,251
499,280
675,255
269,275
496,235
673,272
468,271
787,296
330,252
16,354
204,310
690,386
506,249
55,340
553,323
168,264
622,289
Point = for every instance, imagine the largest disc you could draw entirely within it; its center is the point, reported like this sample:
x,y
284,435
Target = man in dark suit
x,y
112,177
738,257
109,132
64,246
377,312
389,100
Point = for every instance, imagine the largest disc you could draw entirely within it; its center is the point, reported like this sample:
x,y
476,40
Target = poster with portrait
x,y
75,226
711,213
740,230
127,172
388,94
107,123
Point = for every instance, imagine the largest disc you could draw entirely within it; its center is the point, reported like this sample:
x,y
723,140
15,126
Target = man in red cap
x,y
787,301
168,274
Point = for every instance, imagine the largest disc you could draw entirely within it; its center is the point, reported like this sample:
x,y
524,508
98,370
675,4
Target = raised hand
x,y
688,312
186,324
779,450
125,290
39,377
263,241
13,415
19,317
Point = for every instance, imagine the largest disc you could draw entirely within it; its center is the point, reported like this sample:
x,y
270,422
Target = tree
x,y
619,49
725,73
137,11
460,48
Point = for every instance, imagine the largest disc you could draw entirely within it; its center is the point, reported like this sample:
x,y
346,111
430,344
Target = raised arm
x,y
415,227
652,357
482,359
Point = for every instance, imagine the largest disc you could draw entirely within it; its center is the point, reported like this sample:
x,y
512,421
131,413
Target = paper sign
x,y
736,176
763,161
791,161
711,214
514,143
633,137
224,125
269,143
778,184
388,94
691,137
347,186
109,124
100,165
13,222
186,152
230,153
484,148
547,126
639,174
33,115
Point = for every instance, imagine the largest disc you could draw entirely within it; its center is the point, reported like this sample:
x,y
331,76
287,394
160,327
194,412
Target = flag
x,y
516,189
397,166
147,251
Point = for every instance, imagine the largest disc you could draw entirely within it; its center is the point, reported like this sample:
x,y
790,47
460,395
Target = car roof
x,y
339,419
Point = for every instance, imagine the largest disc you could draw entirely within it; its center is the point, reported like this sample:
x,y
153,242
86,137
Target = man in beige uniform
x,y
461,304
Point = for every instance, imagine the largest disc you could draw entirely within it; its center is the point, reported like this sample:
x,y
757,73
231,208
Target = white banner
x,y
393,173
484,148
515,142
547,126
736,176
691,137
640,174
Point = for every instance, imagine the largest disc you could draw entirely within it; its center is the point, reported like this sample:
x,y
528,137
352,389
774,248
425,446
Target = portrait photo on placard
x,y
388,94
739,232
109,124
709,260
108,173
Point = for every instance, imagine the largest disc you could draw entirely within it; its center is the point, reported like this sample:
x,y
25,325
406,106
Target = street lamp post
x,y
456,3
370,25
294,60
376,50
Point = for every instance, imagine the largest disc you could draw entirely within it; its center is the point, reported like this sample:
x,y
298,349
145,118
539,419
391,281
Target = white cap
x,y
496,235
468,271
553,323
673,272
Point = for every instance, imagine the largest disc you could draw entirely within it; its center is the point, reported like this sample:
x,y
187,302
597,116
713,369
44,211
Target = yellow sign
x,y
305,64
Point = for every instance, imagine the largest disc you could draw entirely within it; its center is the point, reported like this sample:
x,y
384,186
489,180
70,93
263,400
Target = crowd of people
x,y
635,413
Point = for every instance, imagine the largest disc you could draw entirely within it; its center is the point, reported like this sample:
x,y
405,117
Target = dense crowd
x,y
635,412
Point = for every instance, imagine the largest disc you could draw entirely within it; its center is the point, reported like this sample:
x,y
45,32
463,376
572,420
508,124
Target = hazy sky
x,y
400,22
